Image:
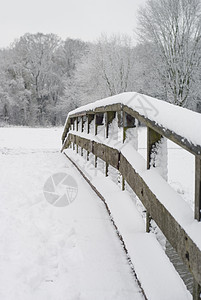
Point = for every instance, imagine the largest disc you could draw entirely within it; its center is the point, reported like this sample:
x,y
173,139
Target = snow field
x,y
48,252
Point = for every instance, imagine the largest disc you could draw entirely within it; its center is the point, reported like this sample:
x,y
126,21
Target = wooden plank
x,y
197,188
80,114
114,107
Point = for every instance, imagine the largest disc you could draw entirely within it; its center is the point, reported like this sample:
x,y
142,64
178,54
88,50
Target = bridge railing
x,y
181,227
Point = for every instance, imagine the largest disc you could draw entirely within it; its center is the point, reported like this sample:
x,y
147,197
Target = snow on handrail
x,y
176,123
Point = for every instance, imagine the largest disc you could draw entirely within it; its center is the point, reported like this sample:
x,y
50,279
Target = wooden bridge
x,y
180,225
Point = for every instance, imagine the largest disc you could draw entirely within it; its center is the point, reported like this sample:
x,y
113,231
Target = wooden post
x,y
124,126
197,212
109,117
127,122
82,124
123,184
73,143
83,120
95,133
98,122
120,118
95,125
89,120
95,161
196,291
72,123
124,138
106,169
77,122
123,116
153,137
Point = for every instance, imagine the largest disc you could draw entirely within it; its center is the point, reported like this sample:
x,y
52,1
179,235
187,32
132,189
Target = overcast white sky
x,y
84,19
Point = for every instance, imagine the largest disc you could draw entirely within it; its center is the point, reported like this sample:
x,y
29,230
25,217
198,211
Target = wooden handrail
x,y
168,133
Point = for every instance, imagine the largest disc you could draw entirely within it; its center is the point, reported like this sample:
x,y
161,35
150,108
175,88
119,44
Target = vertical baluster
x,y
90,118
197,214
152,139
197,188
95,133
76,123
109,117
98,122
196,291
127,122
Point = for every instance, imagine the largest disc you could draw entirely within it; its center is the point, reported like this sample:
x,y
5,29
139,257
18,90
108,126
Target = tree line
x,y
43,77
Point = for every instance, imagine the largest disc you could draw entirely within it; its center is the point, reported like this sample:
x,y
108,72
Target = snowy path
x,y
48,252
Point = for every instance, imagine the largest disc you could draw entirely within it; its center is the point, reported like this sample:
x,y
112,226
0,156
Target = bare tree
x,y
69,54
34,63
146,76
106,70
174,26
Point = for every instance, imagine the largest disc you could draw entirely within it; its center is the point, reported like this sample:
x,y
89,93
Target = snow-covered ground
x,y
70,252
48,252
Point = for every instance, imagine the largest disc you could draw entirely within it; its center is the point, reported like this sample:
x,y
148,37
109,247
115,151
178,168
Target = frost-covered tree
x,y
146,74
35,56
174,26
36,79
106,70
69,55
14,98
115,60
4,96
67,59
